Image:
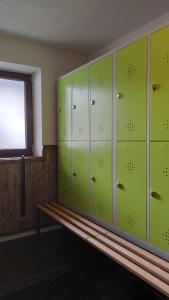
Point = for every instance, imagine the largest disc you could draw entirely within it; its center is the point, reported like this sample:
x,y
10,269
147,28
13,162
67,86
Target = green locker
x,y
101,181
80,175
131,96
159,195
64,108
80,105
131,188
64,172
101,99
159,129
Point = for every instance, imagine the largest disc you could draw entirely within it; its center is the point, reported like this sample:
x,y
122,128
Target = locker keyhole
x,y
166,57
130,127
130,221
166,236
165,172
165,124
130,167
130,71
100,163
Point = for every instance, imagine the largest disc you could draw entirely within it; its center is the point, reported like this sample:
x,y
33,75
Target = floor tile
x,y
7,284
25,259
62,245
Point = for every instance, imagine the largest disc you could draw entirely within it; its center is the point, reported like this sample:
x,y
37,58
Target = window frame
x,y
27,79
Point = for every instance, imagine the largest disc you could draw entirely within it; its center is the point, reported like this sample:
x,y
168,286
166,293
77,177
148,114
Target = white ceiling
x,y
81,25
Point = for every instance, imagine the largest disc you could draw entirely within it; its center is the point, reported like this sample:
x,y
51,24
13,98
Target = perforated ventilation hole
x,y
100,82
130,167
131,221
100,163
165,172
81,130
166,57
130,127
130,71
166,236
165,124
100,129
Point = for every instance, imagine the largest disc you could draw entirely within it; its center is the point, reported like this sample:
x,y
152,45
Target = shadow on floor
x,y
58,265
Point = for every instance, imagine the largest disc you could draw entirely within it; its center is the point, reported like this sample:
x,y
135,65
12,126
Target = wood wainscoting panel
x,y
40,187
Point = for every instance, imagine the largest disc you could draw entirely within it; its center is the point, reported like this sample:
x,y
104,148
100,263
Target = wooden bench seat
x,y
147,266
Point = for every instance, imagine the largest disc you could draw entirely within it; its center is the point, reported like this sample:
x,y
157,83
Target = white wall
x,y
53,63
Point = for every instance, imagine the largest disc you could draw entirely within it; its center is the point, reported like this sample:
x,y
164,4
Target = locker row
x,y
85,184
90,151
86,95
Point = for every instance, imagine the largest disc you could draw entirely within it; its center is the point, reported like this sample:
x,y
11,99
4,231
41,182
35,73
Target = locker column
x,y
101,139
131,139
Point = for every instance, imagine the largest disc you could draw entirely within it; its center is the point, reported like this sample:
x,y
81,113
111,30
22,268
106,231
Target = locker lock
x,y
119,95
155,195
155,86
92,178
120,185
74,174
74,106
92,102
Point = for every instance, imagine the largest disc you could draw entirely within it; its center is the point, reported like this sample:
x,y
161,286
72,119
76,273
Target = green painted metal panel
x,y
64,108
101,99
159,195
64,172
159,129
80,175
101,181
131,188
131,91
80,104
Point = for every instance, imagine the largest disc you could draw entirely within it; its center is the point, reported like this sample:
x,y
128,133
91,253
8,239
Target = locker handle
x,y
92,178
92,102
74,106
155,195
74,174
120,186
155,86
119,95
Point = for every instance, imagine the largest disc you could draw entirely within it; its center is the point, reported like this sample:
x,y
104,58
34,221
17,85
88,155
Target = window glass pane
x,y
12,114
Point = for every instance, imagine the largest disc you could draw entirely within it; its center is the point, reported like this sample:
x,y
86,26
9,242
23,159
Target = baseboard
x,y
28,233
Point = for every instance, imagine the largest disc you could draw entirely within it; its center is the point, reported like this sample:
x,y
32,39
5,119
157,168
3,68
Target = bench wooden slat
x,y
113,246
148,266
134,248
60,220
98,228
146,276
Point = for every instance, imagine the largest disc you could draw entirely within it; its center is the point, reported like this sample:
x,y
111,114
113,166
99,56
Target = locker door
x,y
101,181
159,195
131,188
80,109
159,129
64,108
101,99
64,172
80,175
131,91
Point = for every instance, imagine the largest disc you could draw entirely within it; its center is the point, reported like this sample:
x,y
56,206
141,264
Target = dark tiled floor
x,y
58,265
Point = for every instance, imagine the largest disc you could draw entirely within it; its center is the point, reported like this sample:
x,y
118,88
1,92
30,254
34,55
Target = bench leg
x,y
38,221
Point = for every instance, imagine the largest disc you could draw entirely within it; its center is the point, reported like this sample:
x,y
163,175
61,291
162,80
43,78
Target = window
x,y
15,114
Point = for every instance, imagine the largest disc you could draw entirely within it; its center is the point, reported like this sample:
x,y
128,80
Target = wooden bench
x,y
147,266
